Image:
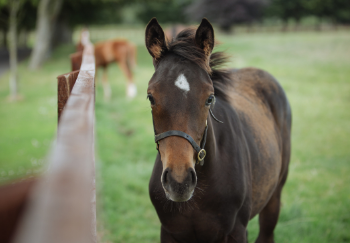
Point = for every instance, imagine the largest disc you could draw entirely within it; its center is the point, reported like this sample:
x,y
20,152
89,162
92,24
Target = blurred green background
x,y
311,60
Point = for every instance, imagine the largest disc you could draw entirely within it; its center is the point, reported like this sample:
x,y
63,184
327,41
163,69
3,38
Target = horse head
x,y
181,93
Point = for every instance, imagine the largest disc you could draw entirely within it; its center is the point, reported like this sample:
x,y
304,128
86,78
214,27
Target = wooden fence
x,y
61,205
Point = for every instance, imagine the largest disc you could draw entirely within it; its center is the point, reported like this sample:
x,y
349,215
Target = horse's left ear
x,y
155,39
205,37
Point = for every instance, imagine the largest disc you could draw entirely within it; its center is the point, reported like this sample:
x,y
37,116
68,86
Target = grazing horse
x,y
223,140
120,51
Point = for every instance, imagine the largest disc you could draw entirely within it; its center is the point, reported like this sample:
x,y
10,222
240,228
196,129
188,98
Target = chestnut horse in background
x,y
120,51
223,140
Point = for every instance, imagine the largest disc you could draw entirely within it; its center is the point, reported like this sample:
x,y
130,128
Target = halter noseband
x,y
201,153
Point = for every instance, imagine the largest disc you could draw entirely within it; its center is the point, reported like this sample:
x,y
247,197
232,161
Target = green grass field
x,y
313,68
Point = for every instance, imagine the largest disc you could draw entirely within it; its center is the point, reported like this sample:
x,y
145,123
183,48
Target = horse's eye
x,y
210,100
151,99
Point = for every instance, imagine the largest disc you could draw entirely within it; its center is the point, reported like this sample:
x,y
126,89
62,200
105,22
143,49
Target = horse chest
x,y
199,225
204,219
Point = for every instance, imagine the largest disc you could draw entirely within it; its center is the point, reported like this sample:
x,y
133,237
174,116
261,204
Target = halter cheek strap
x,y
201,153
200,149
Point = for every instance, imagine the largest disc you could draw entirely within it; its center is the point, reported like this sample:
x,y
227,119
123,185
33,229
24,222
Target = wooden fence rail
x,y
61,206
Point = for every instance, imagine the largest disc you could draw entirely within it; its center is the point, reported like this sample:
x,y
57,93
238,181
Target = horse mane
x,y
184,45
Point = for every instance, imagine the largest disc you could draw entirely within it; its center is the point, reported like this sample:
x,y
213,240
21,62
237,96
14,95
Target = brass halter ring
x,y
201,154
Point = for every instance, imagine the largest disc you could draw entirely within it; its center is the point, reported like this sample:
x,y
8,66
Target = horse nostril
x,y
165,176
193,177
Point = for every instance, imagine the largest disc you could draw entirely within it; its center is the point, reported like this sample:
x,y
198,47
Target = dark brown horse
x,y
247,155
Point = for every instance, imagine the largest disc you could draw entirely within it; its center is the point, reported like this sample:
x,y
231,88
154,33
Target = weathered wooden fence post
x,y
65,83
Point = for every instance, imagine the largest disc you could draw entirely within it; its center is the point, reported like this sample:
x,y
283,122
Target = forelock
x,y
184,45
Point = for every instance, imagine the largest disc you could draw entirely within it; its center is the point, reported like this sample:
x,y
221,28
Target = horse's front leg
x,y
165,237
107,91
239,234
131,89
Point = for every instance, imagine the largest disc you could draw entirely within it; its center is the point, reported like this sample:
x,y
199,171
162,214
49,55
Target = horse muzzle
x,y
179,189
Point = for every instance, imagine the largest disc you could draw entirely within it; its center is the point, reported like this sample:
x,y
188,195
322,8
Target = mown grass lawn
x,y
313,68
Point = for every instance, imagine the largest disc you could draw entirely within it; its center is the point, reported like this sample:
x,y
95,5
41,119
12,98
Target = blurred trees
x,y
48,11
14,6
4,21
226,13
342,14
14,18
338,11
167,11
55,19
335,11
26,17
286,10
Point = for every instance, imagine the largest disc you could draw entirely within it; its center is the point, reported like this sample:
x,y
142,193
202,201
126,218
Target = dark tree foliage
x,y
287,9
85,12
342,15
27,16
336,10
226,13
165,10
4,24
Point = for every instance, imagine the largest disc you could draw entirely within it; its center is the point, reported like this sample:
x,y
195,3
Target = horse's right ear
x,y
155,39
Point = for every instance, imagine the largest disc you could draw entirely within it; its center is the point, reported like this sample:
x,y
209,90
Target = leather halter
x,y
201,153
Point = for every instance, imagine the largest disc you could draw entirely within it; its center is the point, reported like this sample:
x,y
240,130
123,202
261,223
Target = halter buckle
x,y
201,154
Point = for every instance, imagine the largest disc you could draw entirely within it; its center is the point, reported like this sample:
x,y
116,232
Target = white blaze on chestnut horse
x,y
120,51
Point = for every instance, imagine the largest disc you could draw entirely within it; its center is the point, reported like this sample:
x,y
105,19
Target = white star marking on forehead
x,y
182,83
